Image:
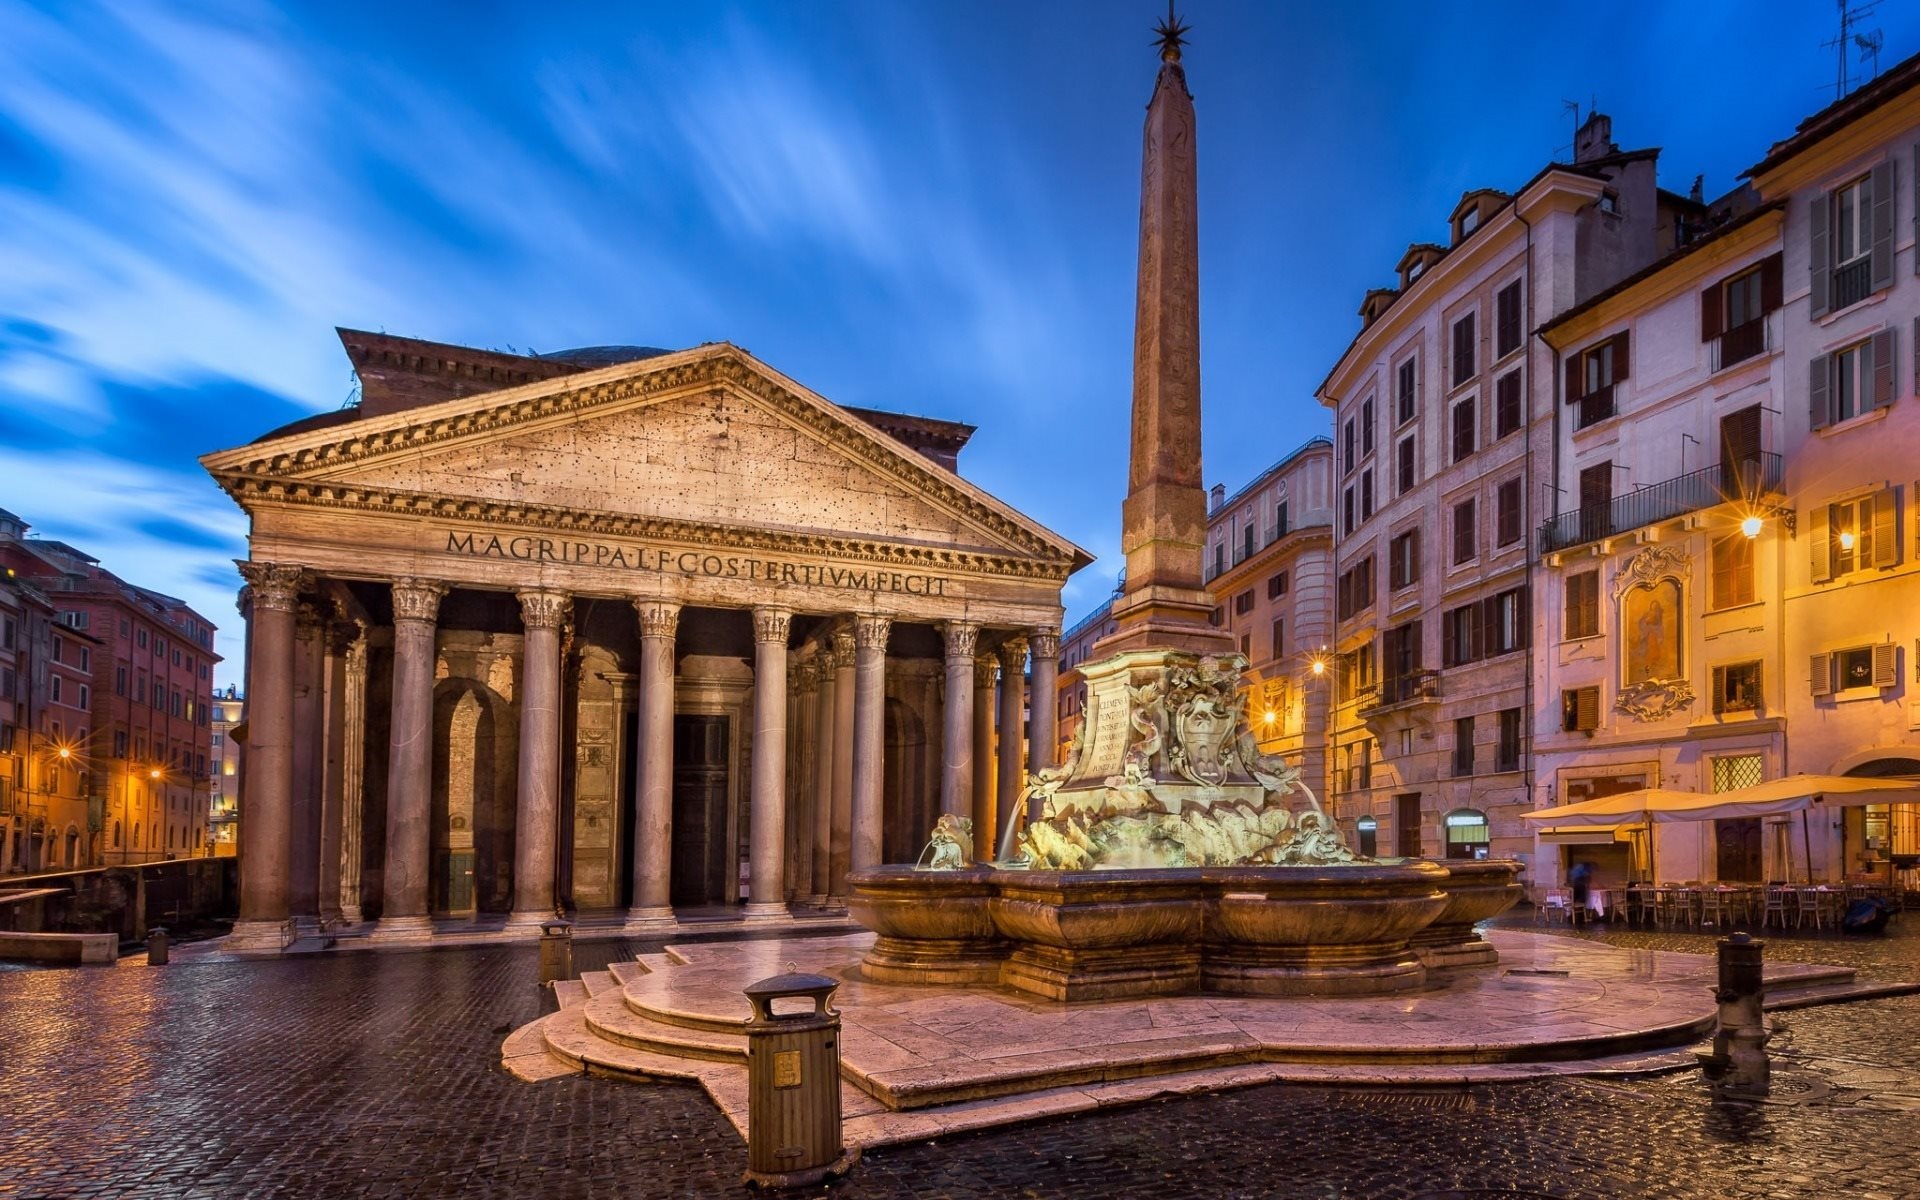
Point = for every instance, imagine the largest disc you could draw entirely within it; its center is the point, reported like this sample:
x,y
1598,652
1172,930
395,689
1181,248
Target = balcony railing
x,y
1852,283
1663,501
1402,689
1594,407
1740,343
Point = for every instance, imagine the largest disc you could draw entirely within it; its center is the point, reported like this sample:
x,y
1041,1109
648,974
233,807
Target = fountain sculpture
x,y
1168,854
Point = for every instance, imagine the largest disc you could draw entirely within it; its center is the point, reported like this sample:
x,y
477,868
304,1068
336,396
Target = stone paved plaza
x,y
377,1075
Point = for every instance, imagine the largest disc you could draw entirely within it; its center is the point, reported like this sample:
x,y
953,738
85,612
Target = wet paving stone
x,y
364,1075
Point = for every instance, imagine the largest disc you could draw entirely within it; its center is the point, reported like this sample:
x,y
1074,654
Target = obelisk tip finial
x,y
1170,35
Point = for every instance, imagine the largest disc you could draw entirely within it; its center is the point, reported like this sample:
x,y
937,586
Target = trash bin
x,y
793,1084
157,946
556,950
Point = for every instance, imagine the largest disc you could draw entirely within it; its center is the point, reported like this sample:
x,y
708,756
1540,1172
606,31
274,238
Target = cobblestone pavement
x,y
376,1076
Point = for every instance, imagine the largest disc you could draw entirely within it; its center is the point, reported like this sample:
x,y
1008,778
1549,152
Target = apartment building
x,y
1443,411
228,710
1269,567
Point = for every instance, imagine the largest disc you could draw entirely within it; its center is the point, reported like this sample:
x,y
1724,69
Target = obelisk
x,y
1164,604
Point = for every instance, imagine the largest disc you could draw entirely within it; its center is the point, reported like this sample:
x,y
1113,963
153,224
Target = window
x,y
140,638
1856,535
1246,644
1852,252
1280,521
1400,655
1851,382
1581,618
1346,447
1852,238
1466,429
1277,586
1279,637
1243,603
1508,410
1592,375
1367,832
1403,467
1859,668
120,680
1466,833
1743,299
1736,687
1246,539
1366,493
86,659
57,681
1460,635
1506,320
1580,710
1465,547
59,650
1505,627
1506,751
1346,510
1406,391
1469,221
86,701
1366,426
1733,311
1737,771
1732,571
1463,745
1506,508
1403,560
1353,590
1217,617
1463,347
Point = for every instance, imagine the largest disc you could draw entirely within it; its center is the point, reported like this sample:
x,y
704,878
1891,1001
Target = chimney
x,y
1595,139
1216,498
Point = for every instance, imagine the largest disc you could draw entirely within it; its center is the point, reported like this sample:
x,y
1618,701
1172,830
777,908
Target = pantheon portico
x,y
626,631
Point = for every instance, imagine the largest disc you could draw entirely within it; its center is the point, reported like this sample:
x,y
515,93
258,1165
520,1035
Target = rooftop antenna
x,y
1870,44
1850,17
1573,106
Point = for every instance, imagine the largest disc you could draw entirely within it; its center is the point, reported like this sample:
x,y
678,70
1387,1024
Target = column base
x,y
770,911
650,920
350,913
402,929
816,899
529,921
259,937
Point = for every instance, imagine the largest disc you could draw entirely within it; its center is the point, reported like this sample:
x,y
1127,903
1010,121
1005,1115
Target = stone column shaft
x,y
264,829
824,708
309,748
537,801
869,738
956,766
403,910
767,811
353,775
985,832
1044,706
653,833
1012,780
843,764
333,703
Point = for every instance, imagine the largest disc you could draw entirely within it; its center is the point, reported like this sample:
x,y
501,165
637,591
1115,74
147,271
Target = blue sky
x,y
906,205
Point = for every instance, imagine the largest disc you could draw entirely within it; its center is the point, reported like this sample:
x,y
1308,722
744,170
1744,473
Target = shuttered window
x,y
1403,467
1732,571
1506,506
1466,429
1851,251
1580,710
1407,391
1857,668
1508,409
1855,535
1736,687
1581,617
1464,343
1507,321
1465,545
1403,560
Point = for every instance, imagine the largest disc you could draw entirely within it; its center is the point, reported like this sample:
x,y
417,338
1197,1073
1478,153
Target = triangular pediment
x,y
706,438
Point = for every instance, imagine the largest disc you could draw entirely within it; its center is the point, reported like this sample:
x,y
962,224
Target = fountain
x,y
1168,854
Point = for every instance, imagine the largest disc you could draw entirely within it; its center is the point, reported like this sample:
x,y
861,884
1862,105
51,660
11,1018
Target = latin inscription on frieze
x,y
658,560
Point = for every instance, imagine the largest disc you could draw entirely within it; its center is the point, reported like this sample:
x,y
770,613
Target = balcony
x,y
1594,407
1663,501
1852,283
1741,343
1400,702
1401,689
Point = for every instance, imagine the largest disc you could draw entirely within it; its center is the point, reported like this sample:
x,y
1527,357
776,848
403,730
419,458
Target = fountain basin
x,y
1477,890
1347,929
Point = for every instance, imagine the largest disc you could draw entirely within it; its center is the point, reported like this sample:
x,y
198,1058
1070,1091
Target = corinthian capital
x,y
543,610
843,648
963,638
985,671
273,585
870,632
771,624
417,599
658,618
1044,643
1013,655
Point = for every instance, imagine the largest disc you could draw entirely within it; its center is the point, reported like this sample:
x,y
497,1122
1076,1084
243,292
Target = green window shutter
x,y
1884,669
1819,392
1820,674
1880,347
1819,255
1819,543
1886,528
1880,225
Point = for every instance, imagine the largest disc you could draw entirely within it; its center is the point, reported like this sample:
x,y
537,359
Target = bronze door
x,y
700,769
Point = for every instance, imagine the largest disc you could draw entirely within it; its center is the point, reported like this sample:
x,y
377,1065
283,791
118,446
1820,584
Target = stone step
x,y
626,972
1805,977
597,982
568,1035
1836,993
612,1017
569,992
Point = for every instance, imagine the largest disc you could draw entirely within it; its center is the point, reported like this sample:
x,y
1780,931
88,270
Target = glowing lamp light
x,y
1751,527
1846,540
65,752
154,774
1271,718
1319,666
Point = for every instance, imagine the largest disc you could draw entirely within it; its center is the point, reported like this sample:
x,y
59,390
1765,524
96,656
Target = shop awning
x,y
1776,797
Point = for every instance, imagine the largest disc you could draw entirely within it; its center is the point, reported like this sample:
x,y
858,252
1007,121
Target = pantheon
x,y
619,631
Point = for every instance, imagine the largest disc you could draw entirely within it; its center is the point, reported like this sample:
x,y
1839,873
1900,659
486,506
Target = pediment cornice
x,y
298,468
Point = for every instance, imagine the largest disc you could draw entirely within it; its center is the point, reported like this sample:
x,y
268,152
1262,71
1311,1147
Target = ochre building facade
x,y
621,630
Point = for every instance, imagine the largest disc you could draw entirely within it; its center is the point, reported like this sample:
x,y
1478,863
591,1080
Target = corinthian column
x,y
843,710
653,826
824,708
537,804
1013,685
403,908
869,735
985,834
956,767
353,773
309,725
767,812
264,832
1043,744
333,702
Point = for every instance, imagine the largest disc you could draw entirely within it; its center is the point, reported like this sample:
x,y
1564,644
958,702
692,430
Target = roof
x,y
1661,264
1898,78
1317,440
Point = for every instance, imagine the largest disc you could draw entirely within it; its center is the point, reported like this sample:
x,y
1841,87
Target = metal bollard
x,y
556,950
1737,1066
157,946
793,1085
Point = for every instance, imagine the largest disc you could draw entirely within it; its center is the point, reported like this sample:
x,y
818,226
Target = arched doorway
x,y
1884,838
1466,830
73,846
473,774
